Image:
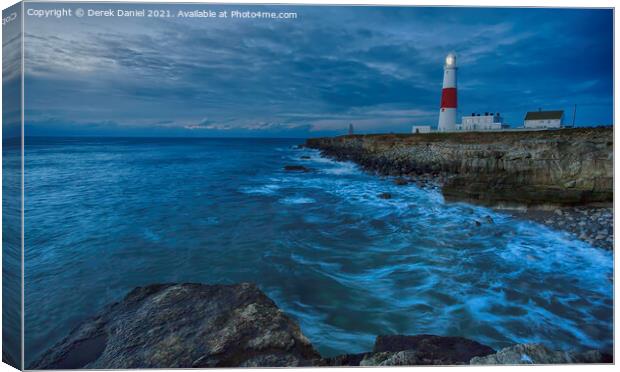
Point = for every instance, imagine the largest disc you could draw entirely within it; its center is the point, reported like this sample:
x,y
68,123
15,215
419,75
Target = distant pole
x,y
350,128
574,113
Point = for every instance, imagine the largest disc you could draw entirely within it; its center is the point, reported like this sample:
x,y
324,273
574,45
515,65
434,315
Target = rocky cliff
x,y
198,325
555,167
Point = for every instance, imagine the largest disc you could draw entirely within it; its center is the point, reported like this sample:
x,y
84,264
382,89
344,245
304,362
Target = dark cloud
x,y
379,68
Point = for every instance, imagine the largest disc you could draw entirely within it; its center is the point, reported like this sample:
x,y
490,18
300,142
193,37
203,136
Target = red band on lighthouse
x,y
448,98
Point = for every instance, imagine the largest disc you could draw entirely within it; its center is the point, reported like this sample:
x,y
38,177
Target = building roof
x,y
544,115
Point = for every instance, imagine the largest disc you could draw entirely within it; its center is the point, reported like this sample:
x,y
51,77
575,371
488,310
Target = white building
x,y
543,119
481,122
421,129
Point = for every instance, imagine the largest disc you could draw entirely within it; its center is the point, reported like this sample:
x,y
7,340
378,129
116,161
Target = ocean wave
x,y
297,200
343,262
342,168
268,189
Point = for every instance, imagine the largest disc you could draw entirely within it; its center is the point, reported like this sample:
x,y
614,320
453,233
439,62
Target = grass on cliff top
x,y
481,137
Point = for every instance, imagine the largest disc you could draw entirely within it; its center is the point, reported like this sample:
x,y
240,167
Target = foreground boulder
x,y
185,326
422,349
539,354
344,360
445,350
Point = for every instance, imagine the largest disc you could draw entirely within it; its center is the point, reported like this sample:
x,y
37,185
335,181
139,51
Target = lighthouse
x,y
447,111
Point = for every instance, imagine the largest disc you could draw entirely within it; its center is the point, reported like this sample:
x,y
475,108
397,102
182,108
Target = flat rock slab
x,y
185,326
344,360
539,354
432,348
399,350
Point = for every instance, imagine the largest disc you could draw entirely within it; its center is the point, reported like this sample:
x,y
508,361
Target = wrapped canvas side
x,y
12,186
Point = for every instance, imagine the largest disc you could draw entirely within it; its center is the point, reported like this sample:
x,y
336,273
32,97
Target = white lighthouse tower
x,y
447,112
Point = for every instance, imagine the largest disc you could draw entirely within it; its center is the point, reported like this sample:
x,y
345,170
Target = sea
x,y
105,215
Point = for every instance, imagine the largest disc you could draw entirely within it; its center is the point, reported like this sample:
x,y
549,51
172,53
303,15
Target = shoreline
x,y
195,325
592,224
527,174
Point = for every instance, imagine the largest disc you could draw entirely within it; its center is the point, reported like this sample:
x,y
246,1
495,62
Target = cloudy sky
x,y
379,68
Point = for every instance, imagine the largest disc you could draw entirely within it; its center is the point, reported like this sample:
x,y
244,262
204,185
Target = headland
x,y
530,172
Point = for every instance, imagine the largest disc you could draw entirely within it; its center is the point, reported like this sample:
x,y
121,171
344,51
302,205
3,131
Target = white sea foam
x,y
348,266
448,263
297,200
342,168
268,189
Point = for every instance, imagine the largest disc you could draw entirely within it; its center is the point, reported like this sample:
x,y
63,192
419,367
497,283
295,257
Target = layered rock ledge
x,y
559,178
565,167
198,325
